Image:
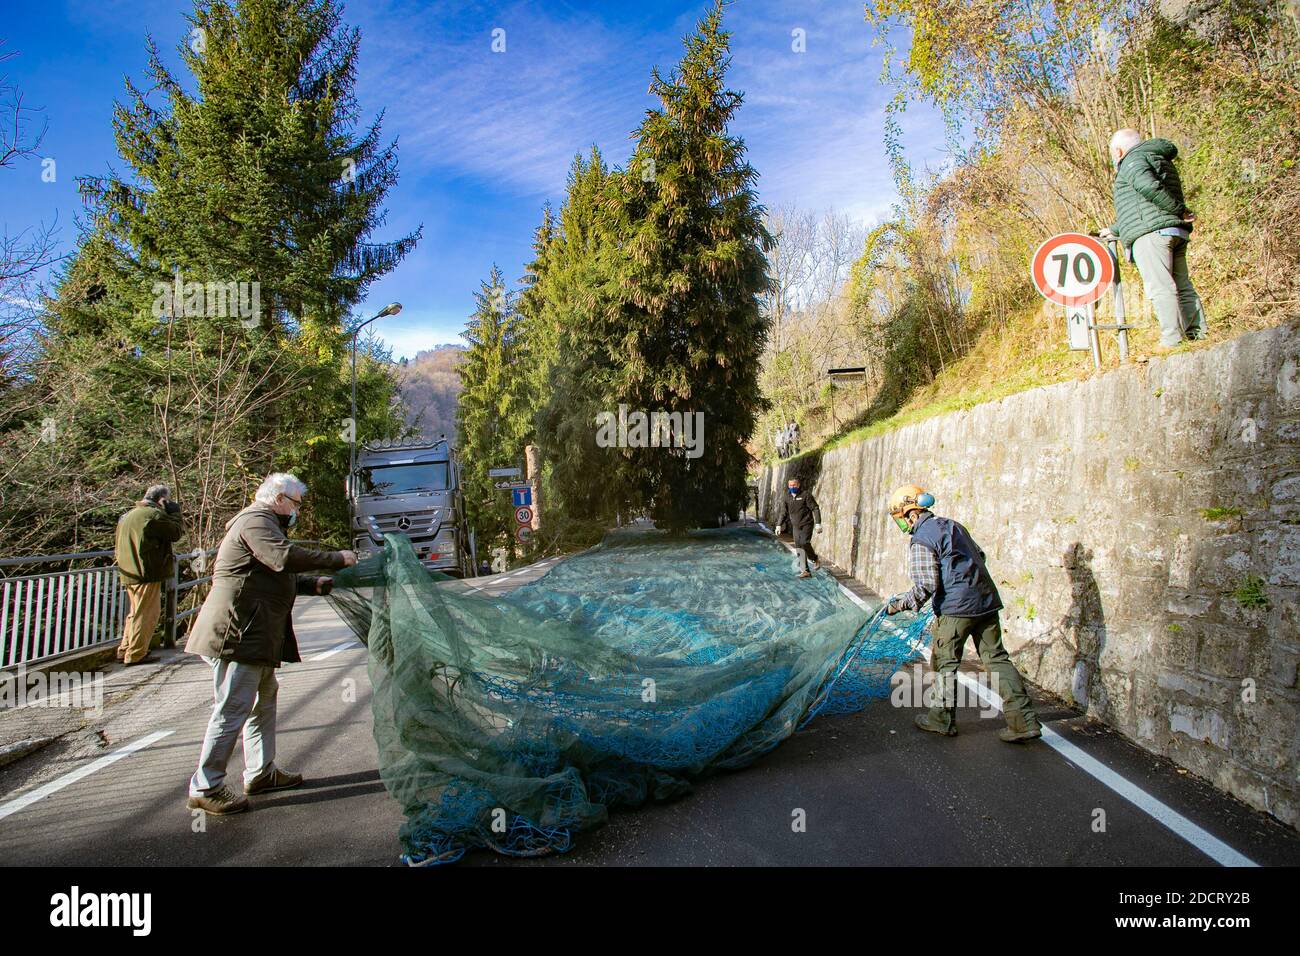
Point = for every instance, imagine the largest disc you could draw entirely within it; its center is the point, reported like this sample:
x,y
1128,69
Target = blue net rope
x,y
623,675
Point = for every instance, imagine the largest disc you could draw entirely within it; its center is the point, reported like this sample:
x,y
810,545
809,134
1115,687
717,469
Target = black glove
x,y
324,586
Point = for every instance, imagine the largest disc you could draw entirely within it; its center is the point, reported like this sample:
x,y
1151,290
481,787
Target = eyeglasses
x,y
297,502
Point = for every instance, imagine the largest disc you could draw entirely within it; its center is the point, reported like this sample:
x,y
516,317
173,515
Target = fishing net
x,y
625,673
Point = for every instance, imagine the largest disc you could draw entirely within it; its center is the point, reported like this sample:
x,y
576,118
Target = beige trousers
x,y
146,606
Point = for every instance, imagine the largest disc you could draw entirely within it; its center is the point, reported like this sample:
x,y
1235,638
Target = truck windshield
x,y
400,479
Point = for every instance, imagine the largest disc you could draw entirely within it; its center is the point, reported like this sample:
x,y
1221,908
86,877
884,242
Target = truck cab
x,y
411,488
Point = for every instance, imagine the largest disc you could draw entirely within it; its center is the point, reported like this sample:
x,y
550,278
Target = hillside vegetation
x,y
430,385
939,306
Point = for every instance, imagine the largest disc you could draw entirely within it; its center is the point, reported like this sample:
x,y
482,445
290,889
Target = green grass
x,y
1251,594
1218,514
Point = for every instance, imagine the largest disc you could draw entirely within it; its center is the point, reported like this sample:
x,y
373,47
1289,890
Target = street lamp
x,y
391,309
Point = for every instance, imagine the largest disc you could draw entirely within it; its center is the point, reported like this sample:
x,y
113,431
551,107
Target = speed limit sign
x,y
523,516
1072,269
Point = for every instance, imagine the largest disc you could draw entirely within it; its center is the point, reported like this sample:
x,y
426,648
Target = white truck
x,y
412,487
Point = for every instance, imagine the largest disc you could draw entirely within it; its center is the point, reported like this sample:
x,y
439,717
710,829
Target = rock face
x,y
1144,529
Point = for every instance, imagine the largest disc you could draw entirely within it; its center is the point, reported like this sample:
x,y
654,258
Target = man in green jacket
x,y
1153,221
144,561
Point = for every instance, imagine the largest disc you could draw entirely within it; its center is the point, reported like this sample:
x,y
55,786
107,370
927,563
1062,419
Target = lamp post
x,y
391,309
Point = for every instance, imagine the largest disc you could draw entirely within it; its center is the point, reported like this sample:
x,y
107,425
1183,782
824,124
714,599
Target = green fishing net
x,y
622,675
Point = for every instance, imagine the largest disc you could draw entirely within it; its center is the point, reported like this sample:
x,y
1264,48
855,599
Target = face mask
x,y
793,491
903,526
287,521
293,519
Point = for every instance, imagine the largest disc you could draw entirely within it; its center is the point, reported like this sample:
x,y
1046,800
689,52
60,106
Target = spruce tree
x,y
494,419
691,268
256,196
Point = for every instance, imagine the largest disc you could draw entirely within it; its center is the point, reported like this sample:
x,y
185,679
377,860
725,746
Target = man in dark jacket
x,y
144,562
1153,221
799,509
245,631
947,567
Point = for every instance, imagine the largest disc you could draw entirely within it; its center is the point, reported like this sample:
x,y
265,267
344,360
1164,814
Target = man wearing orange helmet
x,y
947,567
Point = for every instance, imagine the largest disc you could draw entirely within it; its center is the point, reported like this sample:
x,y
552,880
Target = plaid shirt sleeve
x,y
923,569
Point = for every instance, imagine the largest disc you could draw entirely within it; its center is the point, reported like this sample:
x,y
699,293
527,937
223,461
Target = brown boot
x,y
1021,728
277,779
924,722
221,801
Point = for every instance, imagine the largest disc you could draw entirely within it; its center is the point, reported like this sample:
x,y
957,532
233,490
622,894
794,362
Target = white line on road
x,y
54,786
1207,843
334,650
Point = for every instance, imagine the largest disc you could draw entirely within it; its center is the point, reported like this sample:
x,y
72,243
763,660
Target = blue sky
x,y
486,138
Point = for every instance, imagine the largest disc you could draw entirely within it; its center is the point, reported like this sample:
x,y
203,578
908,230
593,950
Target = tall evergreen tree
x,y
692,267
254,198
494,417
578,360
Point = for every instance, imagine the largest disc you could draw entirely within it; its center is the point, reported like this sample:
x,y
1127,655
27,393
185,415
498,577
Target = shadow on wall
x,y
1076,641
1084,628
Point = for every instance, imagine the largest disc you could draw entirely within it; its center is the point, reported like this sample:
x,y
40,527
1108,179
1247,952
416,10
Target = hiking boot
x,y
221,801
817,565
147,659
924,723
804,574
277,779
1020,729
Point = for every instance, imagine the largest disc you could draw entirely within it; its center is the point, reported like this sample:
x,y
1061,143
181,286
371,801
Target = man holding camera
x,y
144,561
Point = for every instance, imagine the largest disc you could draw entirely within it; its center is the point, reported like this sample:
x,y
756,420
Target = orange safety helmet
x,y
909,498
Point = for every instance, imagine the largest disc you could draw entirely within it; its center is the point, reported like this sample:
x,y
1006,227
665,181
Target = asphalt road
x,y
868,787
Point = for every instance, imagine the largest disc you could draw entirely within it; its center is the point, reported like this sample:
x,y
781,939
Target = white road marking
x,y
1210,845
334,650
54,786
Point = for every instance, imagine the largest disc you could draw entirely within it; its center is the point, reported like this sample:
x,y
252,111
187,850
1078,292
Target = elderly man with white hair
x,y
1153,221
245,631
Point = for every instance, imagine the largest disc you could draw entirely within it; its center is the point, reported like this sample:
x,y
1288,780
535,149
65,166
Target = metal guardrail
x,y
47,613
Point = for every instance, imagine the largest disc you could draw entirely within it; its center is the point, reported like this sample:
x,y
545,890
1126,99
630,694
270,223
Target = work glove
x,y
778,531
817,529
324,586
1107,234
894,605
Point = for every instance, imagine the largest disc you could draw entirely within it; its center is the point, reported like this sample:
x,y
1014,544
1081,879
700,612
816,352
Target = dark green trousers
x,y
949,645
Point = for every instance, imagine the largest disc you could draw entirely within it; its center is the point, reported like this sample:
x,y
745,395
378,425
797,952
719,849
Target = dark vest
x,y
966,588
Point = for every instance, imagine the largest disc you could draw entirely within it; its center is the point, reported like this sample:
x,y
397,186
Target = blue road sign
x,y
521,496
